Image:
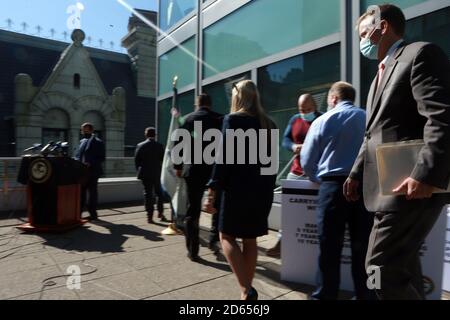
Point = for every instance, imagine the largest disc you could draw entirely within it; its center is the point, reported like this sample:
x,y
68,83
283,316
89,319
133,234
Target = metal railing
x,y
9,169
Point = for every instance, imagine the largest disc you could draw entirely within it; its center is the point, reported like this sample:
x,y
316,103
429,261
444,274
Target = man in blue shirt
x,y
327,157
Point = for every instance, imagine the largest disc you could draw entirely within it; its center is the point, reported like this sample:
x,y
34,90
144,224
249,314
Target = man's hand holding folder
x,y
415,189
396,161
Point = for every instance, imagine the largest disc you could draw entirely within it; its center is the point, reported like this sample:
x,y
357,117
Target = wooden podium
x,y
53,193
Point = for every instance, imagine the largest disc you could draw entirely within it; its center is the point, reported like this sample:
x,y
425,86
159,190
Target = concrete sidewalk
x,y
123,257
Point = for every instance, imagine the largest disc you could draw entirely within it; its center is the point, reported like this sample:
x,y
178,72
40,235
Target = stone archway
x,y
31,112
55,126
33,106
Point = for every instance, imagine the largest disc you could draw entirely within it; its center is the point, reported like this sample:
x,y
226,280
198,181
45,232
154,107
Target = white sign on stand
x,y
446,284
300,245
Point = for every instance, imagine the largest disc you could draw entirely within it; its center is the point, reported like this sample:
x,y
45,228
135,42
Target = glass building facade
x,y
287,47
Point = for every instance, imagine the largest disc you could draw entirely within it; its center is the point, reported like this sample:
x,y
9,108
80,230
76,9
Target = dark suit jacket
x,y
209,120
94,153
148,159
413,102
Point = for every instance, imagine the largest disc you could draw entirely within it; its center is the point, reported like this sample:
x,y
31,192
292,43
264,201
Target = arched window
x,y
76,81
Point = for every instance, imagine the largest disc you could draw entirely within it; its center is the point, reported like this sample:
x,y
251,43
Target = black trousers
x,y
90,186
394,248
152,188
334,214
195,189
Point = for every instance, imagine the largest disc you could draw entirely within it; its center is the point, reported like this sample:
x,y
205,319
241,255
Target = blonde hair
x,y
245,99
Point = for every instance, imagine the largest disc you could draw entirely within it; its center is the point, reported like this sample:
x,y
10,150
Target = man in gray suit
x,y
408,100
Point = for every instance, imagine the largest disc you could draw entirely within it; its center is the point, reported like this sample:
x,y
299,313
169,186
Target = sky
x,y
100,19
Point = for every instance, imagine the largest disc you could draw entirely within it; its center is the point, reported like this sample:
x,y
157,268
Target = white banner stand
x,y
446,284
300,246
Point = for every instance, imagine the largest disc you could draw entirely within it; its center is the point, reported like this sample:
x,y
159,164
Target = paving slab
x,y
222,288
186,273
22,283
60,293
135,285
131,260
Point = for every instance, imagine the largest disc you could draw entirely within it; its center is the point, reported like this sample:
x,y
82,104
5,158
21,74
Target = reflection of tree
x,y
282,83
295,75
313,73
281,91
221,92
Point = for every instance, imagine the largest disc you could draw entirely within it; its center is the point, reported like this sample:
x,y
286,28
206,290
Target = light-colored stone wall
x,y
141,45
35,106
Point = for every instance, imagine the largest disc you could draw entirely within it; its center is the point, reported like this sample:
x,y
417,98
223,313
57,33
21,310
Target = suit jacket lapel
x,y
370,97
389,70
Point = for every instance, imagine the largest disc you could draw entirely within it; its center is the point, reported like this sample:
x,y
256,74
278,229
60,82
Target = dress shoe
x,y
252,294
193,258
162,218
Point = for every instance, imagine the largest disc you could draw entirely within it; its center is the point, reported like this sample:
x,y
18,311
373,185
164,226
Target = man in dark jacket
x,y
148,160
197,175
91,153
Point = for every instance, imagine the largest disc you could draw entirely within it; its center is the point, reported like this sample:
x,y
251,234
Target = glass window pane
x,y
433,27
172,11
282,83
220,93
177,62
400,3
185,105
265,27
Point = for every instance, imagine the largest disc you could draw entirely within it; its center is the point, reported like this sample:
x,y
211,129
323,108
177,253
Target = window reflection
x,y
172,11
282,83
220,92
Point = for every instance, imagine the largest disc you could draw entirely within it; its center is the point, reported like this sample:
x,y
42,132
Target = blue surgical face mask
x,y
367,48
309,117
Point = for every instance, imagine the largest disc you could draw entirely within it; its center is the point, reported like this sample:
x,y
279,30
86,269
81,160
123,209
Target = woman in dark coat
x,y
247,191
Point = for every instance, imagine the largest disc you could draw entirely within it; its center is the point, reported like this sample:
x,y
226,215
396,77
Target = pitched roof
x,y
37,57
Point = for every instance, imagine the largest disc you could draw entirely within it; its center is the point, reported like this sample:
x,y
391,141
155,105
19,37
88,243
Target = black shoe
x,y
252,294
92,218
193,258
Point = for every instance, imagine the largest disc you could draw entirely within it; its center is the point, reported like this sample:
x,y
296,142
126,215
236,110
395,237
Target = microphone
x,y
46,149
33,148
56,146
